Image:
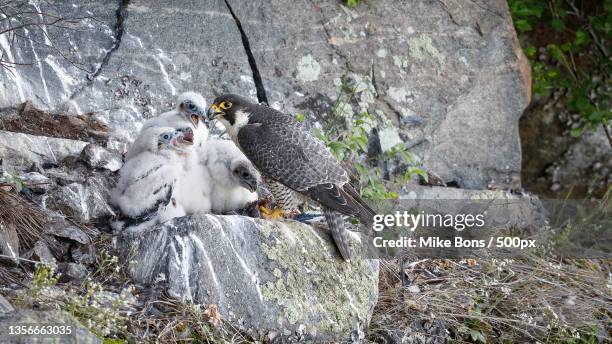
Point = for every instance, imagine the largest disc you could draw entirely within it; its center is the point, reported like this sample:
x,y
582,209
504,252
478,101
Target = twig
x,y
19,258
607,133
598,43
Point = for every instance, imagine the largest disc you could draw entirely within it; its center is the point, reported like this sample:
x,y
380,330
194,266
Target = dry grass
x,y
167,320
531,299
16,213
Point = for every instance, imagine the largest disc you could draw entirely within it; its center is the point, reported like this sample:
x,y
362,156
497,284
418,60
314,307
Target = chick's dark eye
x,y
166,137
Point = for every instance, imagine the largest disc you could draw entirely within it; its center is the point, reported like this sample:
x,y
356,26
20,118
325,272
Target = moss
x,y
313,286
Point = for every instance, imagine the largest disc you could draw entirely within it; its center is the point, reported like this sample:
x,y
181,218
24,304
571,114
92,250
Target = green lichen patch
x,y
313,286
421,48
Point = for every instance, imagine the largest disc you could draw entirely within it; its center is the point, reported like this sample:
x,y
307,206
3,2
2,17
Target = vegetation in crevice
x,y
570,57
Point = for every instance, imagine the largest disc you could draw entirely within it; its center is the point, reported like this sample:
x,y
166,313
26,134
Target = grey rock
x,y
83,254
85,202
467,84
79,334
60,227
146,71
19,151
36,182
97,157
9,244
451,84
265,277
50,79
42,253
73,271
5,306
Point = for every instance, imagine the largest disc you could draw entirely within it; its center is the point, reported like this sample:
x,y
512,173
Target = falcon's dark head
x,y
230,109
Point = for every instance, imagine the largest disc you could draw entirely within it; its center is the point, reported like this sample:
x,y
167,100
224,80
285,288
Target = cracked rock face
x,y
447,79
265,277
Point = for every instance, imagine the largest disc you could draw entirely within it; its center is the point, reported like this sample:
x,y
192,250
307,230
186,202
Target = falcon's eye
x,y
225,105
166,136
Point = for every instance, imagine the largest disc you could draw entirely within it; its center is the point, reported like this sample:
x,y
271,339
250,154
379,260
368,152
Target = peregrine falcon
x,y
235,178
146,193
284,152
187,114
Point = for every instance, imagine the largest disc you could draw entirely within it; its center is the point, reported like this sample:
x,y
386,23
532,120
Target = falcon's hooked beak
x,y
214,112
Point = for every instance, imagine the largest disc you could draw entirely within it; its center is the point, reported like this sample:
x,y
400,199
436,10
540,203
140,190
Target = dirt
x,y
29,120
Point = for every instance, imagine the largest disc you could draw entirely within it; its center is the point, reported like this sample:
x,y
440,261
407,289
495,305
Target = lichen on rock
x,y
339,295
264,276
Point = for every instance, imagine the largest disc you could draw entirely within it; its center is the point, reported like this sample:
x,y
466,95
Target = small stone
x,y
42,253
98,157
73,272
60,227
414,289
83,254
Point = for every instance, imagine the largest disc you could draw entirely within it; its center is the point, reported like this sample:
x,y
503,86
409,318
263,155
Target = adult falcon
x,y
285,153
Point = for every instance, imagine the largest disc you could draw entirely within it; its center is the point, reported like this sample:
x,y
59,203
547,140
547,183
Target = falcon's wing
x,y
287,153
290,155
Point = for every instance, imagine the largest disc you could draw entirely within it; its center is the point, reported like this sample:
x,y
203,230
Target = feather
x,y
228,193
335,223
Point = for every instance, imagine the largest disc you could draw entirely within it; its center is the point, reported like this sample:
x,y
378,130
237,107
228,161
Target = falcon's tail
x,y
335,223
364,212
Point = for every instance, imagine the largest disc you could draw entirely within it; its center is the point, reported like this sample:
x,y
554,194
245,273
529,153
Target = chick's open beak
x,y
195,119
188,138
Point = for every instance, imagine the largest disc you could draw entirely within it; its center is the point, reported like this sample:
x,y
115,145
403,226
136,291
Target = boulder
x,y
267,278
446,79
84,202
19,151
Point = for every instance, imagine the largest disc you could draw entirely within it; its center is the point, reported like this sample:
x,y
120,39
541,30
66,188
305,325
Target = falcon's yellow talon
x,y
271,214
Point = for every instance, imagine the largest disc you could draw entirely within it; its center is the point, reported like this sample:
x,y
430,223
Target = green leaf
x,y
337,149
319,134
299,117
576,132
523,25
415,171
582,38
352,3
556,52
552,73
530,51
567,46
558,25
